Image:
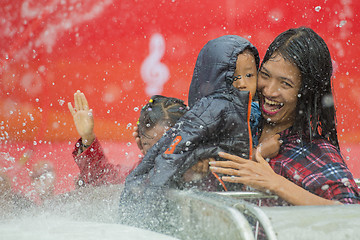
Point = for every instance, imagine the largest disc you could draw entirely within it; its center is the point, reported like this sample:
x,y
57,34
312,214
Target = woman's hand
x,y
83,118
257,174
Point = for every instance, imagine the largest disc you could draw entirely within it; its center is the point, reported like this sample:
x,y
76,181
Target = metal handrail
x,y
221,219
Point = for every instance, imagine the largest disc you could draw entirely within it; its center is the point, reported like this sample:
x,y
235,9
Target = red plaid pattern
x,y
317,167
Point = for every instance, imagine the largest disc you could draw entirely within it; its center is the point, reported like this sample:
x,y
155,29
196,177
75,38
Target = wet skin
x,y
245,73
279,83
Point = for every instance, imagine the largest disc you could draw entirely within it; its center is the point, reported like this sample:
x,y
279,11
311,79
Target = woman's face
x,y
279,82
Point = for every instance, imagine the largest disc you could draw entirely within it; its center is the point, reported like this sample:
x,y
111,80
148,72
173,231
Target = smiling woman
x,y
279,80
294,87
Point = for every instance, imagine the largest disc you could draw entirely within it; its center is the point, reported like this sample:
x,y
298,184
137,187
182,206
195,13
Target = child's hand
x,y
137,139
202,166
270,147
198,171
83,118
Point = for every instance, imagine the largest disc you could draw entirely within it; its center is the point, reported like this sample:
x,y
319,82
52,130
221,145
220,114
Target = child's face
x,y
246,73
151,136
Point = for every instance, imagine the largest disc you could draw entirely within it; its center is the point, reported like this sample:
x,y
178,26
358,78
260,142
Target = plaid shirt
x,y
317,167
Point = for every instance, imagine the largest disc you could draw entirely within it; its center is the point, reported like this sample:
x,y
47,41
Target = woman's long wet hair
x,y
315,113
161,110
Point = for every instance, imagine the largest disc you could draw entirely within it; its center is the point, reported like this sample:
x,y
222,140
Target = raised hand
x,y
83,118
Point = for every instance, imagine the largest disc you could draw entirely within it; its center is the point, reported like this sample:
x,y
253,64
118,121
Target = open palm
x,y
83,117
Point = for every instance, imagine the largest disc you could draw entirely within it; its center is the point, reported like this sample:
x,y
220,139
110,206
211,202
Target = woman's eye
x,y
287,84
249,75
264,75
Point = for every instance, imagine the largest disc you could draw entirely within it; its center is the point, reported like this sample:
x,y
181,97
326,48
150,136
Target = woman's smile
x,y
270,107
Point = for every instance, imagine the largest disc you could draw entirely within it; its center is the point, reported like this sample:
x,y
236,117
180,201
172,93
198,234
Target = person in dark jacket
x,y
220,96
218,118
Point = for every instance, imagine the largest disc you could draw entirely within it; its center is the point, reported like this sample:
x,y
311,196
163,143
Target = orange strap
x,y
221,181
249,128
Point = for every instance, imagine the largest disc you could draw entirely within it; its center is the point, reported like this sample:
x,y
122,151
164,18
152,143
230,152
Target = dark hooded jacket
x,y
218,120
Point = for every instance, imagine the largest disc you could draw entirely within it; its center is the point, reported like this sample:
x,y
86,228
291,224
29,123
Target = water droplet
x,y
188,143
35,143
80,182
136,109
342,23
61,102
327,101
325,187
317,8
128,144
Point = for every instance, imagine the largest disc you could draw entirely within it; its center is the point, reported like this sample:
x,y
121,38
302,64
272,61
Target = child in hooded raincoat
x,y
218,119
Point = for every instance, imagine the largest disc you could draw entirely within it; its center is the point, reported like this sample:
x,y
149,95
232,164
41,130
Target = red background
x,y
49,49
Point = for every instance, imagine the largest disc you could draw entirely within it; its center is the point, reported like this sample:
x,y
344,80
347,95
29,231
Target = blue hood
x,y
215,66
